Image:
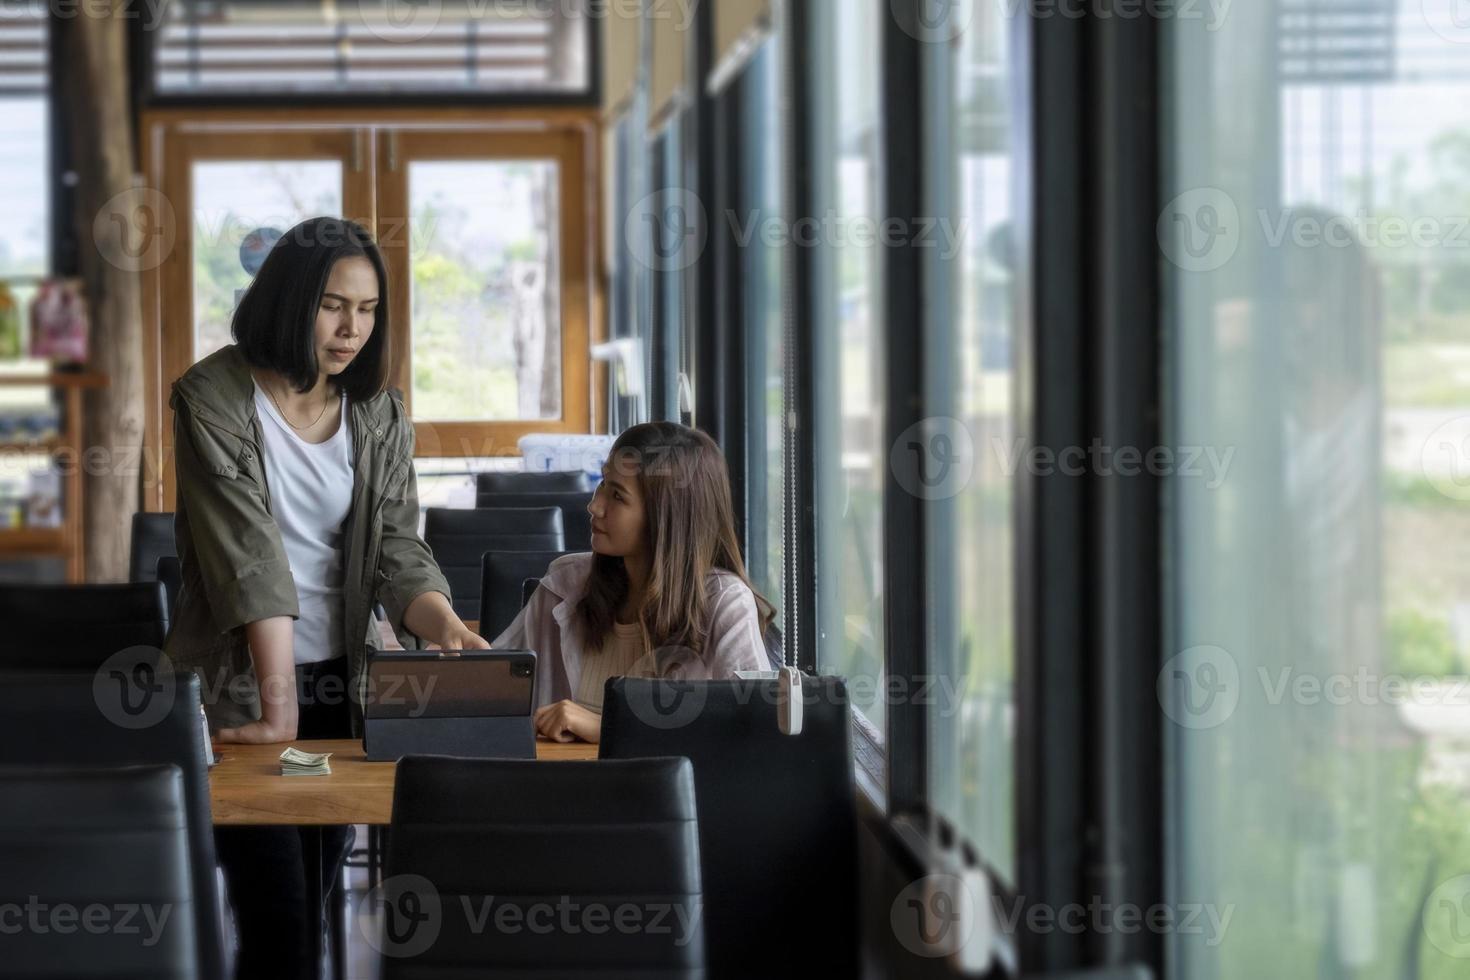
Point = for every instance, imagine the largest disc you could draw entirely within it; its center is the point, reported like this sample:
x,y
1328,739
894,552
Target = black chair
x,y
766,801
126,720
171,574
503,577
84,839
553,482
153,538
575,520
458,537
478,835
77,627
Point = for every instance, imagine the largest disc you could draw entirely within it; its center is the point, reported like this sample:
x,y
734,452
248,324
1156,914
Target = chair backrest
x,y
766,801
153,538
77,627
576,522
133,719
458,537
83,840
171,574
570,843
570,481
503,577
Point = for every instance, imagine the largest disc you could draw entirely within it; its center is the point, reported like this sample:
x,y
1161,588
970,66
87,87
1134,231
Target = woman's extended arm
x,y
431,617
271,650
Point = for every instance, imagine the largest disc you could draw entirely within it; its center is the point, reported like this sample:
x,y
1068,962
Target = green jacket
x,y
233,563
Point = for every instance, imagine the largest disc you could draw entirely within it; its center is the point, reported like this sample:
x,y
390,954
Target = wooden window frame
x,y
361,137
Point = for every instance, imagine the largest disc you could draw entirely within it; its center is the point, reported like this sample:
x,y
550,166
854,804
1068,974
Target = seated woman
x,y
664,593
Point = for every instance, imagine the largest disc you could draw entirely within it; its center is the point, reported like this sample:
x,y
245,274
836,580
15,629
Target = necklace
x,y
326,400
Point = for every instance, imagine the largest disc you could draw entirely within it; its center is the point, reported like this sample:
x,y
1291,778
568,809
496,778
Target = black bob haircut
x,y
275,323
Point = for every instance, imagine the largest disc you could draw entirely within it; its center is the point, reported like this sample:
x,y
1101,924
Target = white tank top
x,y
311,492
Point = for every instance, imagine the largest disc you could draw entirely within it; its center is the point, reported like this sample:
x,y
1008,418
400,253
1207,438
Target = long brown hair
x,y
689,531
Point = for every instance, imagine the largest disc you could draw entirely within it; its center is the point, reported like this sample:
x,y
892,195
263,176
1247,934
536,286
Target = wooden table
x,y
247,787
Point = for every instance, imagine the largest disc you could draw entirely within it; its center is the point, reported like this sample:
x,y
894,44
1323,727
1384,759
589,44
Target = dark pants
x,y
265,867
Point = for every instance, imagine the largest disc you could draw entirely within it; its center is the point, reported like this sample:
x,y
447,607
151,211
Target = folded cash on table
x,y
294,762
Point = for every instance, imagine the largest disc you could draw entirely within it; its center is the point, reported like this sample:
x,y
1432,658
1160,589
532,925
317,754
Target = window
x,y
1315,234
25,133
484,226
761,277
206,47
967,444
486,300
847,368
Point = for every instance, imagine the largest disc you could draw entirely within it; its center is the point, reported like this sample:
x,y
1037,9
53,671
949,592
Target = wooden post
x,y
120,228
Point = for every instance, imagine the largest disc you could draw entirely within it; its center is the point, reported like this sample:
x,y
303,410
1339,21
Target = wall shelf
x,y
64,541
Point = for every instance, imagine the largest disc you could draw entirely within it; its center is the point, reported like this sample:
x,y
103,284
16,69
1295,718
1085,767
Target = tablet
x,y
465,703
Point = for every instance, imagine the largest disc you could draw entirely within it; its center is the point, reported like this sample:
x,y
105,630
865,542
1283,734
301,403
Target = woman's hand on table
x,y
258,733
568,721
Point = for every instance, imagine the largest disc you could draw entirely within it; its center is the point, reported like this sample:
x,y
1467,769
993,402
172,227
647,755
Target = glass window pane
x,y
234,200
765,324
849,364
486,289
971,540
265,46
25,237
1317,263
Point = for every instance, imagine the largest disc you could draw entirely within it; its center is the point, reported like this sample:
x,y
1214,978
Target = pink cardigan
x,y
547,625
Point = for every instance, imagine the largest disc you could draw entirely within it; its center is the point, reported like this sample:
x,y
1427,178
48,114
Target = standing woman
x,y
297,510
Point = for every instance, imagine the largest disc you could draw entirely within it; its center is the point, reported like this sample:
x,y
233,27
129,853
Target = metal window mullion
x,y
905,302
